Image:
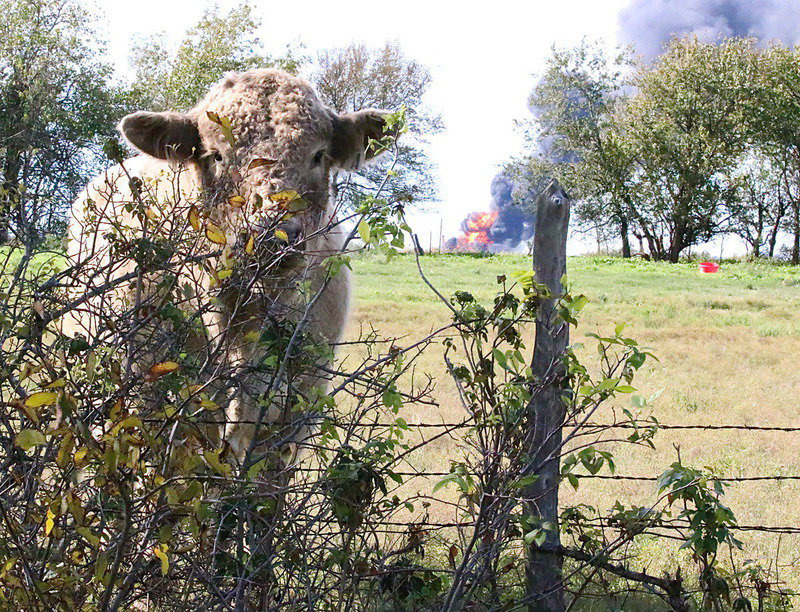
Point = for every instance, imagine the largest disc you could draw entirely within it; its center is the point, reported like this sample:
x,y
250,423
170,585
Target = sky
x,y
483,61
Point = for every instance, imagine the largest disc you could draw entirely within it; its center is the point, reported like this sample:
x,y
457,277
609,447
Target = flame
x,y
476,229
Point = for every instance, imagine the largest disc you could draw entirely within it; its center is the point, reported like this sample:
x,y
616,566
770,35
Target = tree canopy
x,y
673,151
57,105
355,77
175,78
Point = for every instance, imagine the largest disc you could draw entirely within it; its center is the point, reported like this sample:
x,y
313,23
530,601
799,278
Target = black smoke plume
x,y
649,24
516,217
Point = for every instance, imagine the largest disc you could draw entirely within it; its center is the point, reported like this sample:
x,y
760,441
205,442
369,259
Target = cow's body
x,y
198,193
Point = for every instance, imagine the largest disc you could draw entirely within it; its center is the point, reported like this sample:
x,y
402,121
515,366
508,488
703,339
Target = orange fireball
x,y
476,229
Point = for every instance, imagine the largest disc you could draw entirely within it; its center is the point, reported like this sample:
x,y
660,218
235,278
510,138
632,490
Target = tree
x,y
761,209
685,126
650,155
575,137
356,77
56,108
772,120
175,79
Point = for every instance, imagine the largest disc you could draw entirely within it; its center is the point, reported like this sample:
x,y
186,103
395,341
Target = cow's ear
x,y
172,136
353,136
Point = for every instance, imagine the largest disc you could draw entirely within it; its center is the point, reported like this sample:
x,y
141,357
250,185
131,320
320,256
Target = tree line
x,y
666,154
60,99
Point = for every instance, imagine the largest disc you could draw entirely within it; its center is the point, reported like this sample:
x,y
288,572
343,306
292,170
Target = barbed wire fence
x,y
120,486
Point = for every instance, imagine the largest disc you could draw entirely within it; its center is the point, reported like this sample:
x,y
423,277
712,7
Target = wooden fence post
x,y
543,570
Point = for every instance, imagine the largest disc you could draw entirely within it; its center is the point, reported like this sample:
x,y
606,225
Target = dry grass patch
x,y
728,346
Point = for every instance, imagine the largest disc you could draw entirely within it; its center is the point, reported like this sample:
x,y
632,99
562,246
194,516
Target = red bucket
x,y
709,267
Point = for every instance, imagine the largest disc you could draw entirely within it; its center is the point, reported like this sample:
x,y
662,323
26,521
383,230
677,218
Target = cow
x,y
238,191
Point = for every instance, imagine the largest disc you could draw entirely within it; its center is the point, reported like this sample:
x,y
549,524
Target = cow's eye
x,y
318,157
218,156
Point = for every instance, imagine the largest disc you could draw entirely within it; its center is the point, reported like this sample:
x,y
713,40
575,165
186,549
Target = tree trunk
x,y
626,243
675,250
776,226
796,227
773,240
758,240
545,592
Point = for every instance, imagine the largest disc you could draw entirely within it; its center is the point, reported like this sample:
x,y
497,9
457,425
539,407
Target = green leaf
x,y
457,478
537,537
608,383
573,480
500,357
364,230
579,302
28,438
297,205
524,481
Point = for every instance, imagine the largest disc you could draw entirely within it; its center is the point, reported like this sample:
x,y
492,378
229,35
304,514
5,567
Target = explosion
x,y
505,226
476,231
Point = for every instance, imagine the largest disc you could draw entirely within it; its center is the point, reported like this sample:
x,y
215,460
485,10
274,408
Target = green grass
x,y
648,294
728,346
40,266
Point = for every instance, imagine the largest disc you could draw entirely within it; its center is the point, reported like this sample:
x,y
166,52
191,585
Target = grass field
x,y
729,351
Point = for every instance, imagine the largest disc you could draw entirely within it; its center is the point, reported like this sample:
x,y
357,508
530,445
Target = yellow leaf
x,y
194,218
252,336
279,233
162,555
116,409
260,161
225,125
91,362
236,201
223,274
56,384
28,369
80,454
50,522
227,260
215,234
251,245
163,368
284,197
28,438
151,214
31,413
7,566
42,398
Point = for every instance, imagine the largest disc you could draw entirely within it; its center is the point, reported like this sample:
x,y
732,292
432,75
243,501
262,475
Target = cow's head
x,y
257,134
